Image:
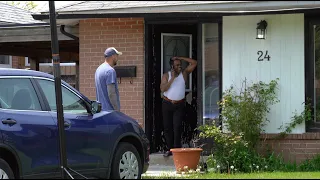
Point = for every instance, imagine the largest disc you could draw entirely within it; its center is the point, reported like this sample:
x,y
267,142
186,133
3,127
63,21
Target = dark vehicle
x,y
98,144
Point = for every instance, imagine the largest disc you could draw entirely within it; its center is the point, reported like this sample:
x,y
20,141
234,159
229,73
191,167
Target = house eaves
x,y
126,6
209,7
33,33
205,6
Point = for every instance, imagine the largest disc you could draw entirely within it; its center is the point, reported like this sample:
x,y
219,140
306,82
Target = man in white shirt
x,y
173,86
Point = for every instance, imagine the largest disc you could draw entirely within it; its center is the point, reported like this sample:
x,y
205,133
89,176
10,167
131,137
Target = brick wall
x,y
125,34
294,147
15,61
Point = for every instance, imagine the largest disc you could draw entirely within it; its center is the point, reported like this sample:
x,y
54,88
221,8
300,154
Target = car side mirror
x,y
95,107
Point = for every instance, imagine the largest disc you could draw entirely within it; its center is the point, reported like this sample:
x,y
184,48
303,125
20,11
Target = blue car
x,y
98,144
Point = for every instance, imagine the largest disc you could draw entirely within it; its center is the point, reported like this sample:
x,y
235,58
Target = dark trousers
x,y
172,122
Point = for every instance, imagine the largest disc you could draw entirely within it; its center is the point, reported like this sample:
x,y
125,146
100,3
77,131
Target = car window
x,y
71,102
18,94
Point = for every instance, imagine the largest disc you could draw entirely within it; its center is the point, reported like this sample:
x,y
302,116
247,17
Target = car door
x,y
27,128
86,134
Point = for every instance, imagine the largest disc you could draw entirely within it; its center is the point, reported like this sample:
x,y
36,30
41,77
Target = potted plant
x,y
187,158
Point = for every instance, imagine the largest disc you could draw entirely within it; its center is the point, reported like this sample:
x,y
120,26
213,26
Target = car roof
x,y
23,72
27,72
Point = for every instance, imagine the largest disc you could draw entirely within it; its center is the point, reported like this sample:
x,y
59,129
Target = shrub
x,y
244,111
311,165
244,114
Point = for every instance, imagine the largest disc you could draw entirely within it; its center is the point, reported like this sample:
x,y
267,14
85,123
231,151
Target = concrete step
x,y
157,159
163,166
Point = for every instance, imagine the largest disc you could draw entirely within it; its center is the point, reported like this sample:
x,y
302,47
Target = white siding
x,y
285,45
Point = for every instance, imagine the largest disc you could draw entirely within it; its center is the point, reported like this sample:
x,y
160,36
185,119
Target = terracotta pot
x,y
186,157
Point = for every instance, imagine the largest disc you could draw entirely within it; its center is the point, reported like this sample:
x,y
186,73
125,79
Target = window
x,y
211,92
71,102
5,61
176,45
46,62
18,94
317,71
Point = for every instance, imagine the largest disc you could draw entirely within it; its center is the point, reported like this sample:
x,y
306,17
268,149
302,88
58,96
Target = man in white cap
x,y
106,81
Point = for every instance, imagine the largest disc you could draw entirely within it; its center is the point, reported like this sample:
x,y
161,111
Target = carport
x,y
22,36
34,41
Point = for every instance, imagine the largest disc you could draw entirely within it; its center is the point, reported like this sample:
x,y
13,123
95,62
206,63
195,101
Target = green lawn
x,y
273,175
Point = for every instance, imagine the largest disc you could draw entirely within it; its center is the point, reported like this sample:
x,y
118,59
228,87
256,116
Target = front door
x,y
180,45
29,130
168,41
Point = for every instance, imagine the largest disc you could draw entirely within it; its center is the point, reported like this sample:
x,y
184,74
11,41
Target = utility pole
x,y
57,81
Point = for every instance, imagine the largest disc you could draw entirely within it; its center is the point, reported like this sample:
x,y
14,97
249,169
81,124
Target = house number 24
x,y
266,56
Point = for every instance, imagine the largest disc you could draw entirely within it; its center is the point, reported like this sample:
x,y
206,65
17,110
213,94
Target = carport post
x,y
57,81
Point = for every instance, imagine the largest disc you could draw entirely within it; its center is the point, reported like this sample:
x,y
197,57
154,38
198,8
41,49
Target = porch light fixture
x,y
262,29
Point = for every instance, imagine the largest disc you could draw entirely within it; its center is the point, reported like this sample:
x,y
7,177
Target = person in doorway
x,y
173,87
106,81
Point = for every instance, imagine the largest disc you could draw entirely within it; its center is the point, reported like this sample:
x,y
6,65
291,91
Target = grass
x,y
269,175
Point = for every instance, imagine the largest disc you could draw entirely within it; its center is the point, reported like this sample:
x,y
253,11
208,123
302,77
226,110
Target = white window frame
x,y
7,65
48,64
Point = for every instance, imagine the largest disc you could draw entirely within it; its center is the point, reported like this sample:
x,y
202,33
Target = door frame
x,y
148,39
200,67
310,66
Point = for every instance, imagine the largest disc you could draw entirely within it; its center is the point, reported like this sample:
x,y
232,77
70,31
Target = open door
x,y
164,41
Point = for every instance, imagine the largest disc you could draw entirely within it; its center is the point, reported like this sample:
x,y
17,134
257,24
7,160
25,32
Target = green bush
x,y
230,150
311,165
244,114
231,154
244,109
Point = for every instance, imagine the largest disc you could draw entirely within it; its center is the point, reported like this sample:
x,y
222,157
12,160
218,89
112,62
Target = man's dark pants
x,y
172,122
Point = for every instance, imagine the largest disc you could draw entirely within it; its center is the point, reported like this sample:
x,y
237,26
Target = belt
x,y
173,101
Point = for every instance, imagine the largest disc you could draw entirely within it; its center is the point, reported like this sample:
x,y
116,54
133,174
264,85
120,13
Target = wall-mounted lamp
x,y
262,29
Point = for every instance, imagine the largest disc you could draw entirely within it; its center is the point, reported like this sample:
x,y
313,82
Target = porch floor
x,y
163,166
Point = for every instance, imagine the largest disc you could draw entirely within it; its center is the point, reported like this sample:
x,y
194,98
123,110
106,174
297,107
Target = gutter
x,y
25,25
68,34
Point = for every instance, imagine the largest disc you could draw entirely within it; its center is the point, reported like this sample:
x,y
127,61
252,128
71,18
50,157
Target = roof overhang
x,y
225,7
36,32
221,9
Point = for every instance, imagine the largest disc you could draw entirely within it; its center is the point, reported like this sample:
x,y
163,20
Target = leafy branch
x,y
304,116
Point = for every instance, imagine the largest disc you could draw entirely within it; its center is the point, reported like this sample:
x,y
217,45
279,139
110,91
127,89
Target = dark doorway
x,y
155,66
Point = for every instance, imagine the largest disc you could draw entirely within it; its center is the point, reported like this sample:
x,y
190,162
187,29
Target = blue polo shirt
x,y
105,74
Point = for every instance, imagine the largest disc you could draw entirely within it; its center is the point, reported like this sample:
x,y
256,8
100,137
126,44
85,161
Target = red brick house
x,y
222,37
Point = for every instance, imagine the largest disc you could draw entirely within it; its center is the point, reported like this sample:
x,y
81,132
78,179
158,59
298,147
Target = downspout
x,y
68,34
77,62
